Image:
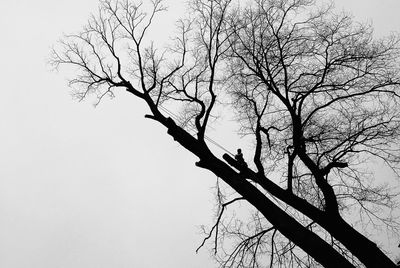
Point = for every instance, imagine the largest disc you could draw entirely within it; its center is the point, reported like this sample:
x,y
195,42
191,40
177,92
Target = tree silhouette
x,y
314,91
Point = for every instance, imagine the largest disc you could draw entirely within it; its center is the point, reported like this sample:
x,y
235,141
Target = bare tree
x,y
317,94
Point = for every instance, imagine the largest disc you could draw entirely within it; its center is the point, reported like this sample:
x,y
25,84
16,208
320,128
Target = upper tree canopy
x,y
316,93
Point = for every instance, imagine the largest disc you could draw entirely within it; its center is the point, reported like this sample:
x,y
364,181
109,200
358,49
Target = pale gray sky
x,y
85,187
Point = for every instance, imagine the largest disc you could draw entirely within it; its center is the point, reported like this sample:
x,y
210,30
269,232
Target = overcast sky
x,y
85,187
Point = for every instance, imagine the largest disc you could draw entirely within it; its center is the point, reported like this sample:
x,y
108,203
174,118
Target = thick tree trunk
x,y
312,244
360,246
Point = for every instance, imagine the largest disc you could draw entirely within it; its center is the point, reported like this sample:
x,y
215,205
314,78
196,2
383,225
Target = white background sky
x,y
84,187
